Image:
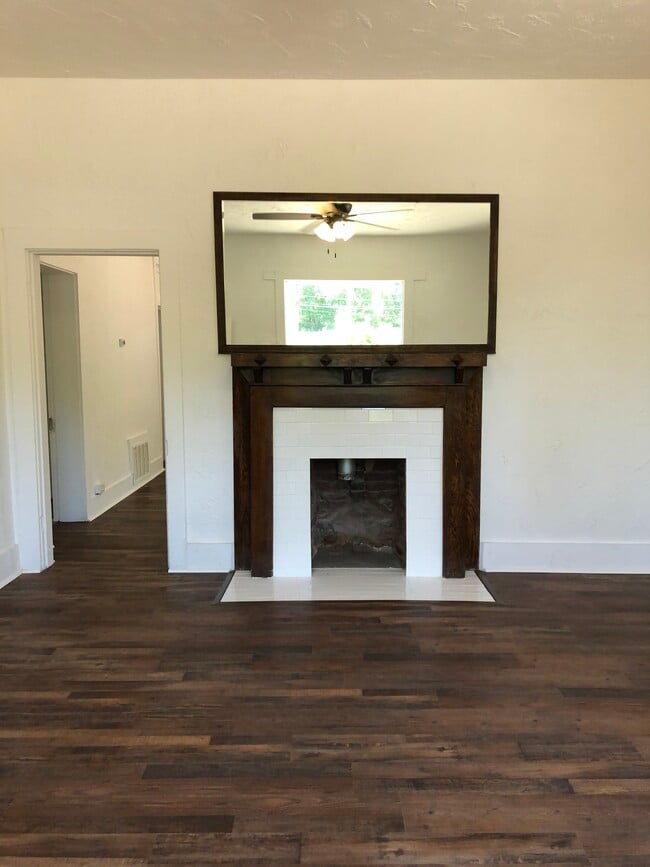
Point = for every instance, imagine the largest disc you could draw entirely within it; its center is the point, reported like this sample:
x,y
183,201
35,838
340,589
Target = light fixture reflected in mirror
x,y
338,231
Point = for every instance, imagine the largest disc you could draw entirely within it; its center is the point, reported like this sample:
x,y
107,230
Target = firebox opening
x,y
358,521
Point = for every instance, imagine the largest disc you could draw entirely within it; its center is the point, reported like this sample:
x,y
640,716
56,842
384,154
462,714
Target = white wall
x,y
121,389
9,554
566,475
6,521
446,280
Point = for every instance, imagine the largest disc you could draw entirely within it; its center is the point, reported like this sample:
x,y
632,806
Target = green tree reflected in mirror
x,y
343,312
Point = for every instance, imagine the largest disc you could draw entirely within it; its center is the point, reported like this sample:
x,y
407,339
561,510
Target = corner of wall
x,y
210,557
9,564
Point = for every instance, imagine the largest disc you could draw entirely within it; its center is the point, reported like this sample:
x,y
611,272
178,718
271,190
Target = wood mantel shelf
x,y
389,357
265,380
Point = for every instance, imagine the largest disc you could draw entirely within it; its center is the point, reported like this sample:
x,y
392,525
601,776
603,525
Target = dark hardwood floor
x,y
143,725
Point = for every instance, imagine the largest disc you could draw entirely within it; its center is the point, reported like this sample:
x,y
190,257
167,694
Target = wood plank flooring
x,y
142,725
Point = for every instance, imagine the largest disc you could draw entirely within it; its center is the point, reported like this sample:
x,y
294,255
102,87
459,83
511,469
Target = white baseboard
x,y
571,557
121,489
205,557
591,557
9,564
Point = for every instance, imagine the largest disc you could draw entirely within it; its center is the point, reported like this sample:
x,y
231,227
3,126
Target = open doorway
x,y
103,377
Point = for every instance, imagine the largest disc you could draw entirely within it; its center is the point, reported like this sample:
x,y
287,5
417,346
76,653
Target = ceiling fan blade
x,y
278,215
374,213
374,225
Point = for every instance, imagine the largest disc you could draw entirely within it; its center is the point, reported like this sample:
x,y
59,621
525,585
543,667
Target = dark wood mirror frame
x,y
338,351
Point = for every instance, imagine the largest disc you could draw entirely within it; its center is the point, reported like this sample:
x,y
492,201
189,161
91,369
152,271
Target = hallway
x,y
142,725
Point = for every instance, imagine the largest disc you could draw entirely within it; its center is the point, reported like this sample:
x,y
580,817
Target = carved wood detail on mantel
x,y
386,358
264,381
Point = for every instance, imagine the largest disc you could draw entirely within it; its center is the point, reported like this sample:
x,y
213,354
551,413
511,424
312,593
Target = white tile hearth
x,y
352,585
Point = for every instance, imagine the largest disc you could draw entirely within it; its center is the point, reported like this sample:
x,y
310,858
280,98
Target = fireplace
x,y
278,394
304,435
449,327
358,513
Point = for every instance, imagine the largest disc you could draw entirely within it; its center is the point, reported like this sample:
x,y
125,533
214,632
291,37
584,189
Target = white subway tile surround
x,y
302,434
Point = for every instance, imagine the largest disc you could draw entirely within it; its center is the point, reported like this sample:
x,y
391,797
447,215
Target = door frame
x,y
22,325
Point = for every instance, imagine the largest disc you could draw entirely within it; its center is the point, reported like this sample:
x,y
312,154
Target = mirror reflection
x,y
356,273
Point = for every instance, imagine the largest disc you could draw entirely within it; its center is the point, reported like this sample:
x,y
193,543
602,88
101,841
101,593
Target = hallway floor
x,y
143,725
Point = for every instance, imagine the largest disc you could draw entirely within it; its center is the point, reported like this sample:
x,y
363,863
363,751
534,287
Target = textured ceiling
x,y
409,218
369,39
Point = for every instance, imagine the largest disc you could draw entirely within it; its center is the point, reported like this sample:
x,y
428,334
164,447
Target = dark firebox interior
x,y
359,522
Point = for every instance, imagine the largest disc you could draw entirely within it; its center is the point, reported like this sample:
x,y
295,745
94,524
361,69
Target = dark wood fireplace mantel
x,y
263,381
439,365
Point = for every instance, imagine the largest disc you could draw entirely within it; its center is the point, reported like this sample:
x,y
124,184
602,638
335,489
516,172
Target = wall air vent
x,y
139,456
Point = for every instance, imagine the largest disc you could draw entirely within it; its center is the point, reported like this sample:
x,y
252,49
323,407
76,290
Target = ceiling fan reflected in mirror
x,y
333,222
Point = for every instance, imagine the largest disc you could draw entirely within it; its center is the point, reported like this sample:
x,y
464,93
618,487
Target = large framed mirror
x,y
300,272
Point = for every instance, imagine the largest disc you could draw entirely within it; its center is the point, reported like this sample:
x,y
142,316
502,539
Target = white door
x,y
64,399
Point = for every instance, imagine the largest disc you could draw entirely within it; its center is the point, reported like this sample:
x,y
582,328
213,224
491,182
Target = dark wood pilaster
x,y
454,534
473,426
242,458
261,506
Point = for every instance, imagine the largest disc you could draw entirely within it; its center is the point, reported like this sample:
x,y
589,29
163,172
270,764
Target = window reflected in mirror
x,y
343,312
